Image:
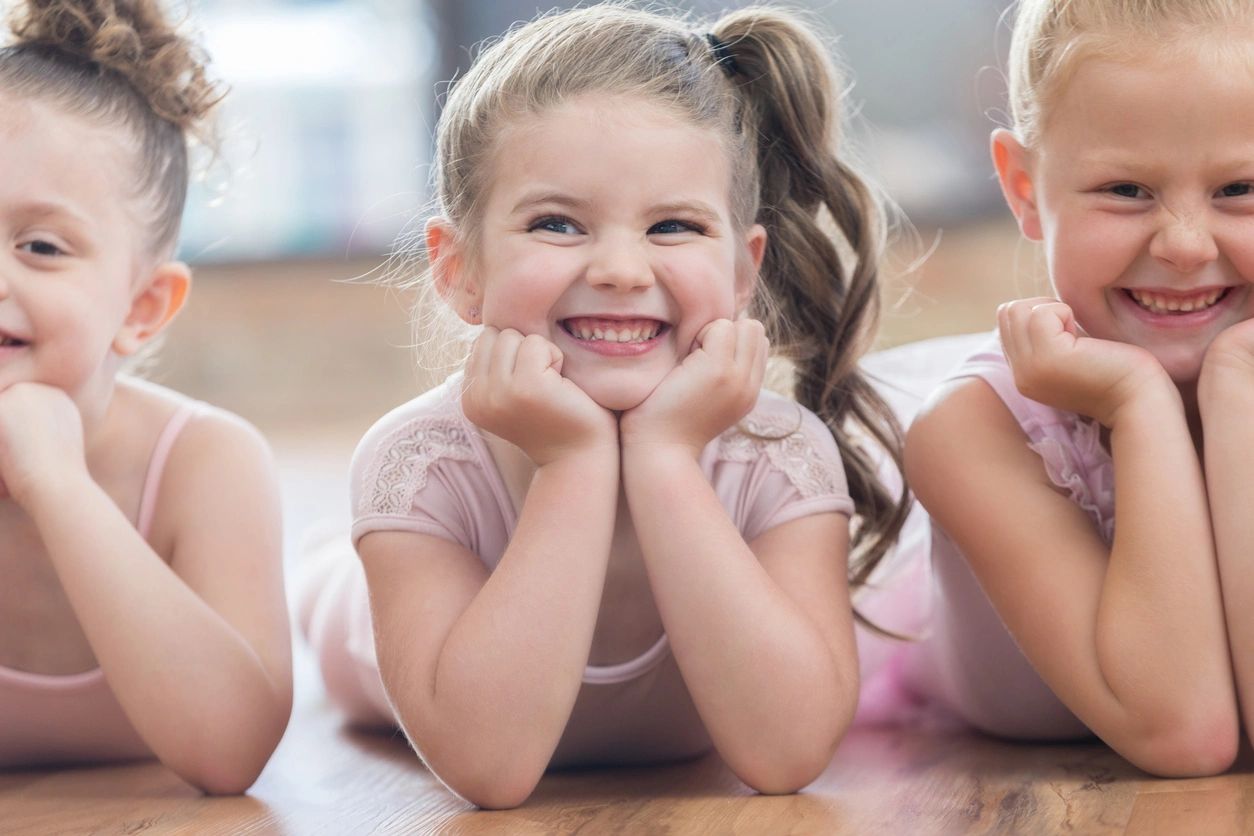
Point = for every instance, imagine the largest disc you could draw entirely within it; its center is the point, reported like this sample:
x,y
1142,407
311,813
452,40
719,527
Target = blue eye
x,y
1129,190
1235,190
671,227
41,248
554,223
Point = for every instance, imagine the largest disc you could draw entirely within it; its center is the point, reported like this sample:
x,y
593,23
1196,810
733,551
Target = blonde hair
x,y
1052,36
122,63
768,88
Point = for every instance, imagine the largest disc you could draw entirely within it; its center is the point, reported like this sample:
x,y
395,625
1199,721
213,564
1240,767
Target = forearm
x,y
194,689
762,675
501,691
1226,415
1161,640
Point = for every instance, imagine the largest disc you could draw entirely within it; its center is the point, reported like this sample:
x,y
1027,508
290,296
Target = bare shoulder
x,y
964,427
217,465
209,431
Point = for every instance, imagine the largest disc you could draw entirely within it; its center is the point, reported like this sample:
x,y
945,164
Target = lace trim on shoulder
x,y
1091,486
787,448
400,468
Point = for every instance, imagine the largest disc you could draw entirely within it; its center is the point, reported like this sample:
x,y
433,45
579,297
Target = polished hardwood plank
x,y
325,779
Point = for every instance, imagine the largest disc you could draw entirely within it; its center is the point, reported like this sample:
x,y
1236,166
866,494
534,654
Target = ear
x,y
1014,171
451,282
747,278
158,300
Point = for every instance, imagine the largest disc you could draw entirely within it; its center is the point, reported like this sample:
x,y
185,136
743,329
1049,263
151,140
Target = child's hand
x,y
714,387
515,390
41,439
1055,364
1231,354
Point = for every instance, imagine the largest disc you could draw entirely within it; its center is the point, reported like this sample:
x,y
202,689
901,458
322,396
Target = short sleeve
x,y
778,465
411,475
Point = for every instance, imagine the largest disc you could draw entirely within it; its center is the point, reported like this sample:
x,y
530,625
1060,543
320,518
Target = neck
x,y
96,405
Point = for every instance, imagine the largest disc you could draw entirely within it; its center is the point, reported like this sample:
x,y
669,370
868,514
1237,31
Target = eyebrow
x,y
534,199
692,207
51,209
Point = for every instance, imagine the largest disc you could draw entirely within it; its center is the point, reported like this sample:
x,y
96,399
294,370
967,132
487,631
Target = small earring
x,y
473,313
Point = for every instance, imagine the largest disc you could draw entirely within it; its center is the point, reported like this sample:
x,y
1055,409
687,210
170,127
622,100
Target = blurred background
x,y
325,161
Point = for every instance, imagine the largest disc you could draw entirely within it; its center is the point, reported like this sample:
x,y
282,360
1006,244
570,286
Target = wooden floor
x,y
325,779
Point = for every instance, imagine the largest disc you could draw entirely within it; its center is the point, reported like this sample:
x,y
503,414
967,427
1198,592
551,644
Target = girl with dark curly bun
x,y
141,596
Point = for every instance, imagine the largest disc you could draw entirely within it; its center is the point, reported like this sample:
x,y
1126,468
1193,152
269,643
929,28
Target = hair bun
x,y
131,38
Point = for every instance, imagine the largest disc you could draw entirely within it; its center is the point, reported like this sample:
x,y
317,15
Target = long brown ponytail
x,y
823,304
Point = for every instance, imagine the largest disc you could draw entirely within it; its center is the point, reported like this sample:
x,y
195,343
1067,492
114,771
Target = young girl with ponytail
x,y
604,543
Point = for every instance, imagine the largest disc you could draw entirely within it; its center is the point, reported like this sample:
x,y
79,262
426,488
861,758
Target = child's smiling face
x,y
607,229
71,245
1142,190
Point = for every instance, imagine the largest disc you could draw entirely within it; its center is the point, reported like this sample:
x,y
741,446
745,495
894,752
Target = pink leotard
x,y
47,719
966,661
424,468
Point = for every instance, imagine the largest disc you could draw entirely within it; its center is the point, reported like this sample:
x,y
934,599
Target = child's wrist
x,y
1151,404
1224,389
595,456
646,451
47,498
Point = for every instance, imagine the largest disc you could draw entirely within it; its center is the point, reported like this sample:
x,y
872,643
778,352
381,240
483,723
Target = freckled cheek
x,y
1238,249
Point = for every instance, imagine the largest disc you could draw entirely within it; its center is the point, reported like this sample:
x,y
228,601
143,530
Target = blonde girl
x,y
1093,468
605,544
141,603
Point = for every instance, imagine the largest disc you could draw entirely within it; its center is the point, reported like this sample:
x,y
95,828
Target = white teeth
x,y
1160,304
637,333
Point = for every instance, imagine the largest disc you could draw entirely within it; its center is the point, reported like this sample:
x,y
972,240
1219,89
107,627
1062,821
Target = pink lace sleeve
x,y
392,472
777,465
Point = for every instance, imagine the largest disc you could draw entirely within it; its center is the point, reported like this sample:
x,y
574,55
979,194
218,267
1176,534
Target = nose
x,y
1184,242
620,263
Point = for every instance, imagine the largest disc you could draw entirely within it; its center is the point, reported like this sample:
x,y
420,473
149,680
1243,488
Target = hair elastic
x,y
722,54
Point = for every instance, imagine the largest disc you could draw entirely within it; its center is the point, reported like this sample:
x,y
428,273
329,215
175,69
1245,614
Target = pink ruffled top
x,y
46,718
1070,445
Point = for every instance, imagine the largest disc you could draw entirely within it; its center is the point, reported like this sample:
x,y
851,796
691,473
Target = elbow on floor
x,y
784,775
498,793
1192,749
227,767
221,778
501,786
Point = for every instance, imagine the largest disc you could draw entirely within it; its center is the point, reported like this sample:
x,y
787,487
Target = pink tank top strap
x,y
156,465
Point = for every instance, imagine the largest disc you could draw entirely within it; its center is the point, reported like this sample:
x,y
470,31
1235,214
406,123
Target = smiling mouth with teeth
x,y
1159,303
596,329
